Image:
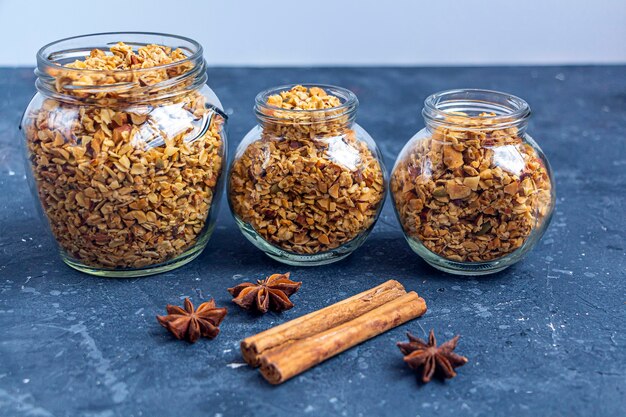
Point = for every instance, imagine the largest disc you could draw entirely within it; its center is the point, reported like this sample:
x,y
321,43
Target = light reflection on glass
x,y
342,153
509,158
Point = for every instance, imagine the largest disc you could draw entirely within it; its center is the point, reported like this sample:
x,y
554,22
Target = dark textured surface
x,y
545,337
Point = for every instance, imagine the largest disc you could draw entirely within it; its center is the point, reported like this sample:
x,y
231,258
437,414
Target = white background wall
x,y
336,32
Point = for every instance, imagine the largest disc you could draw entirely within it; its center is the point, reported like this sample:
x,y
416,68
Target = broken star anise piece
x,y
190,324
271,293
432,359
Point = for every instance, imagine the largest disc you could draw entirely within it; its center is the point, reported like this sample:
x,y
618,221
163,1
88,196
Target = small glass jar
x,y
125,150
307,183
472,190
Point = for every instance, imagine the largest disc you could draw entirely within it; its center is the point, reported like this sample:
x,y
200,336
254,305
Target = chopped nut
x,y
451,157
511,188
440,192
471,182
323,239
457,191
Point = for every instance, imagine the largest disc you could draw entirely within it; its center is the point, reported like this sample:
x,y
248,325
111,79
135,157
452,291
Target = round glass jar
x,y
307,183
125,146
472,190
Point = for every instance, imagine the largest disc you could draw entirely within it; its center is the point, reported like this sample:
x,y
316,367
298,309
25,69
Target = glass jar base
x,y
295,259
170,265
466,270
463,268
308,260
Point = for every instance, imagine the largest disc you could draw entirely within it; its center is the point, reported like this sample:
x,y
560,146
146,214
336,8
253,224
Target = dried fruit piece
x,y
452,158
457,191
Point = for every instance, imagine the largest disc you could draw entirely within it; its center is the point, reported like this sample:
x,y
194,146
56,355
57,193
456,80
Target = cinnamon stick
x,y
290,359
320,320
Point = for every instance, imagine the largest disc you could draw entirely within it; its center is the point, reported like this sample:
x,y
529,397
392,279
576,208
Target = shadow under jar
x,y
472,190
307,183
126,147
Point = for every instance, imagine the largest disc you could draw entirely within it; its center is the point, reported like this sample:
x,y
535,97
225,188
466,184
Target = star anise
x,y
432,360
271,293
192,324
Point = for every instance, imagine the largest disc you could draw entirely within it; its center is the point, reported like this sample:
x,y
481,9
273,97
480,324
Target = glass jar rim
x,y
265,111
505,109
54,48
126,84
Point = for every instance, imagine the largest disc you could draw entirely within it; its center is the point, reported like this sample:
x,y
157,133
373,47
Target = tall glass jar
x,y
125,145
473,190
307,183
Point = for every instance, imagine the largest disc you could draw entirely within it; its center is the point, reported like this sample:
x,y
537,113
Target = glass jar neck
x,y
339,116
107,87
470,109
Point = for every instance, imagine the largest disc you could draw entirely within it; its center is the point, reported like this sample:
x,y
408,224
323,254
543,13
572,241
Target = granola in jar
x,y
126,148
307,184
473,191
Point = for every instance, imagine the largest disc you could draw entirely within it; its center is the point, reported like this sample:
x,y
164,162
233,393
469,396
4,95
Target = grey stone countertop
x,y
545,337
